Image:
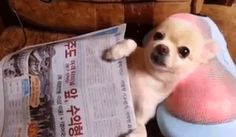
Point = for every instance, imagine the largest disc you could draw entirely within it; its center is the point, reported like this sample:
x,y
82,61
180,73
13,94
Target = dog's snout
x,y
162,50
159,54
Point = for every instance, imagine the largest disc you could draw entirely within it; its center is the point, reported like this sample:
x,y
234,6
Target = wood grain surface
x,y
13,39
197,6
105,1
71,15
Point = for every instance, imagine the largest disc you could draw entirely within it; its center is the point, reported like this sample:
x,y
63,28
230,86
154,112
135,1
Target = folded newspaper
x,y
65,89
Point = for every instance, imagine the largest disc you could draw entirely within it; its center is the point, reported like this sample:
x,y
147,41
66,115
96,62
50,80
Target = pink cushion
x,y
208,95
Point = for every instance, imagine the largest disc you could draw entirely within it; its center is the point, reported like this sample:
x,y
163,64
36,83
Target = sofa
x,y
46,21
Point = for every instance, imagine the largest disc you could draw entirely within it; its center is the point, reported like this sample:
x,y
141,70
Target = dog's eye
x,y
183,52
158,36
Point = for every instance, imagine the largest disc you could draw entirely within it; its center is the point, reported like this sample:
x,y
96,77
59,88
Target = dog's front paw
x,y
121,50
113,54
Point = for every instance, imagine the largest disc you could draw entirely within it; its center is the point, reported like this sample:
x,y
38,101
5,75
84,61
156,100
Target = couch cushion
x,y
72,15
132,0
12,38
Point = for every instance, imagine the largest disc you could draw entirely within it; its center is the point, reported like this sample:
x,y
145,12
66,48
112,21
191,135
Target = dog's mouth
x,y
164,69
159,54
158,60
160,65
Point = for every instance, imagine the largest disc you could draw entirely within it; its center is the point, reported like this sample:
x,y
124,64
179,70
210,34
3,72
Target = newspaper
x,y
65,89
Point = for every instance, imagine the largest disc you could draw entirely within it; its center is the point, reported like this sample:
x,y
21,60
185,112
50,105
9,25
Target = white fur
x,y
122,49
151,83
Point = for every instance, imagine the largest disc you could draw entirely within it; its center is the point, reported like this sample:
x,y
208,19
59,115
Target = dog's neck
x,y
168,81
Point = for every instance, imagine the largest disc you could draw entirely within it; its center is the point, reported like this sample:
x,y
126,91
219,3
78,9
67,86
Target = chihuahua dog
x,y
171,52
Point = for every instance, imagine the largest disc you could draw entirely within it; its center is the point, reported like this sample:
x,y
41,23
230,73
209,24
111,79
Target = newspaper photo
x,y
65,89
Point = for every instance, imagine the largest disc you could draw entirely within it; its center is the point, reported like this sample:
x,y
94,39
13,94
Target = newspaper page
x,y
65,89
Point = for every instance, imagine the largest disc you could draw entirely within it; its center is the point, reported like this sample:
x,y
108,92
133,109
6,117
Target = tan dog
x,y
172,51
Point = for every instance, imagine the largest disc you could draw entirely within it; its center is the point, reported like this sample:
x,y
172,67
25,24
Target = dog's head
x,y
178,46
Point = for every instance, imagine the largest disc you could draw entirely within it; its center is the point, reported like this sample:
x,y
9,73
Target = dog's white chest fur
x,y
146,88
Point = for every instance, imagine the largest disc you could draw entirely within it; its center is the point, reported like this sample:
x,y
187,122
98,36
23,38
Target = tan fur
x,y
152,83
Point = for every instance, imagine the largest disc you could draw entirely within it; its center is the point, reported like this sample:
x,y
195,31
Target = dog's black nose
x,y
159,53
162,50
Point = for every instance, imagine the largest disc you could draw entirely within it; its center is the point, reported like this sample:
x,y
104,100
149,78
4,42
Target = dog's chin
x,y
162,73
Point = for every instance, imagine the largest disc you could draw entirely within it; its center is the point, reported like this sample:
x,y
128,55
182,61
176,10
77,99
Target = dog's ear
x,y
209,51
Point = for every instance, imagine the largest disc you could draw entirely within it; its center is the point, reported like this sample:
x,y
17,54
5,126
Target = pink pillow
x,y
208,95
